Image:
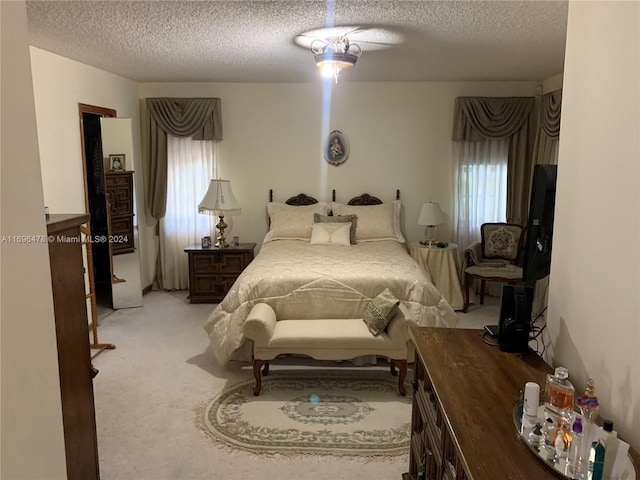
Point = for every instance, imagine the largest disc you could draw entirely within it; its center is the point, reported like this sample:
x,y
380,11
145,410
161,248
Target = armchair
x,y
495,258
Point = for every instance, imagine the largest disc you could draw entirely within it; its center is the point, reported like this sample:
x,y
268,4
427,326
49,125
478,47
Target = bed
x,y
302,275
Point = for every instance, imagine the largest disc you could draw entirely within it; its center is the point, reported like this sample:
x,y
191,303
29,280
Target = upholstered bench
x,y
324,339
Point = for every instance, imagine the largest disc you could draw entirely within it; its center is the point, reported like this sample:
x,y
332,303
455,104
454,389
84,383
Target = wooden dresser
x,y
462,420
119,188
72,336
212,271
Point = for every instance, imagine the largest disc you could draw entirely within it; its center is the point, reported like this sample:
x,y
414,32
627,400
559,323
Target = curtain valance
x,y
545,150
479,118
199,118
549,113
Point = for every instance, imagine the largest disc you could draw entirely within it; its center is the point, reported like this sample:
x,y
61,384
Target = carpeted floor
x,y
149,388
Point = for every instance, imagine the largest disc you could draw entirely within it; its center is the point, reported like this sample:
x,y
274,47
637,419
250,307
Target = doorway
x,y
96,199
110,200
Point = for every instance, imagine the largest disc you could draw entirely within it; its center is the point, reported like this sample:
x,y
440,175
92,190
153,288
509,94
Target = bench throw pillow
x,y
380,311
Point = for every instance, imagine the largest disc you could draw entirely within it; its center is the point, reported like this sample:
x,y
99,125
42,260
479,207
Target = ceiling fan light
x,y
328,70
334,55
345,60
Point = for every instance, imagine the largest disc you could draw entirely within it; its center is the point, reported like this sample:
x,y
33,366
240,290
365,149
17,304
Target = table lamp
x,y
220,201
430,217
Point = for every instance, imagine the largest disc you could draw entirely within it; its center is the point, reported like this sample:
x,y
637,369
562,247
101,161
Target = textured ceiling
x,y
255,41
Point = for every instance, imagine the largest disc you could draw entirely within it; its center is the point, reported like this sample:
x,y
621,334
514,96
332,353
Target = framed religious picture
x,y
117,162
336,148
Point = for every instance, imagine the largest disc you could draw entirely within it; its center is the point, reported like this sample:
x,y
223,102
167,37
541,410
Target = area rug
x,y
356,413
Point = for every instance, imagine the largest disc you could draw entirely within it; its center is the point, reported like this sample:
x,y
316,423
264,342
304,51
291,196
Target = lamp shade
x,y
430,214
219,199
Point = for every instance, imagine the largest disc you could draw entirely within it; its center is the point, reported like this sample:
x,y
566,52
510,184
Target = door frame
x,y
104,112
101,112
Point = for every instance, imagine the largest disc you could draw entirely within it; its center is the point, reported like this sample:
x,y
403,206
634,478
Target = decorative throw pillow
x,y
375,222
317,218
330,234
380,311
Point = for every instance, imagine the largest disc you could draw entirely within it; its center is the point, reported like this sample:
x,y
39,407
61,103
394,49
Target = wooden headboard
x,y
301,199
297,200
366,199
304,199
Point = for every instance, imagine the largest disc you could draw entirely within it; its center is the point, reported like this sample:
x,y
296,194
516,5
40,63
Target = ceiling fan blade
x,y
350,32
373,43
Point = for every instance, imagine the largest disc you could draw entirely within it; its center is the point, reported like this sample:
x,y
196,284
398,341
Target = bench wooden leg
x,y
402,367
257,364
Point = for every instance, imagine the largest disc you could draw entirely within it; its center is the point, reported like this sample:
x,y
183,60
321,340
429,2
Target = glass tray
x,y
548,455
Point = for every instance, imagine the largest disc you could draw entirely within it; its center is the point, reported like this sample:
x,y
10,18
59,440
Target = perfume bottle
x,y
559,397
589,408
588,403
535,437
611,444
549,432
596,460
562,442
577,461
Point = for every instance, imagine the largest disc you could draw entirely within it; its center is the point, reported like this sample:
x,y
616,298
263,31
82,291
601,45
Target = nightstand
x,y
213,270
442,266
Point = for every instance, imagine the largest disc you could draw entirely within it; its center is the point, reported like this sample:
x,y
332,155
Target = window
x,y
480,188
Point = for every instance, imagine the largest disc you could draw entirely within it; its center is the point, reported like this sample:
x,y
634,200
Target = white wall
x,y
399,133
594,311
32,442
59,86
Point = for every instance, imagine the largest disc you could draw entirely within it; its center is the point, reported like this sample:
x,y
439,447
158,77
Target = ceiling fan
x,y
334,48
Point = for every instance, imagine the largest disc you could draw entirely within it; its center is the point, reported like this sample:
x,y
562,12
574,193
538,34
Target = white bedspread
x,y
303,281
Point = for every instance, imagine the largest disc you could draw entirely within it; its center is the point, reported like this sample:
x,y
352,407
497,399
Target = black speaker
x,y
515,318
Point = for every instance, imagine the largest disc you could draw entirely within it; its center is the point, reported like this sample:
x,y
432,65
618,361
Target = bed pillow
x,y
289,222
380,311
375,222
317,218
327,233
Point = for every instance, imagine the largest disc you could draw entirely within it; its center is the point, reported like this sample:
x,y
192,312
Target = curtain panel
x,y
190,164
545,148
199,118
494,118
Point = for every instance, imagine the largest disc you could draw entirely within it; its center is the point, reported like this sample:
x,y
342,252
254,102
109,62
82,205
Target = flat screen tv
x,y
539,235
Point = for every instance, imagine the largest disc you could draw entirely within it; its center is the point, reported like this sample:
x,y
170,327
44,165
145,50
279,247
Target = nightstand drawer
x,y
219,263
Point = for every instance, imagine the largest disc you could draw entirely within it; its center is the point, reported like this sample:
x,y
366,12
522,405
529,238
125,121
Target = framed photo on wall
x,y
117,162
336,148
